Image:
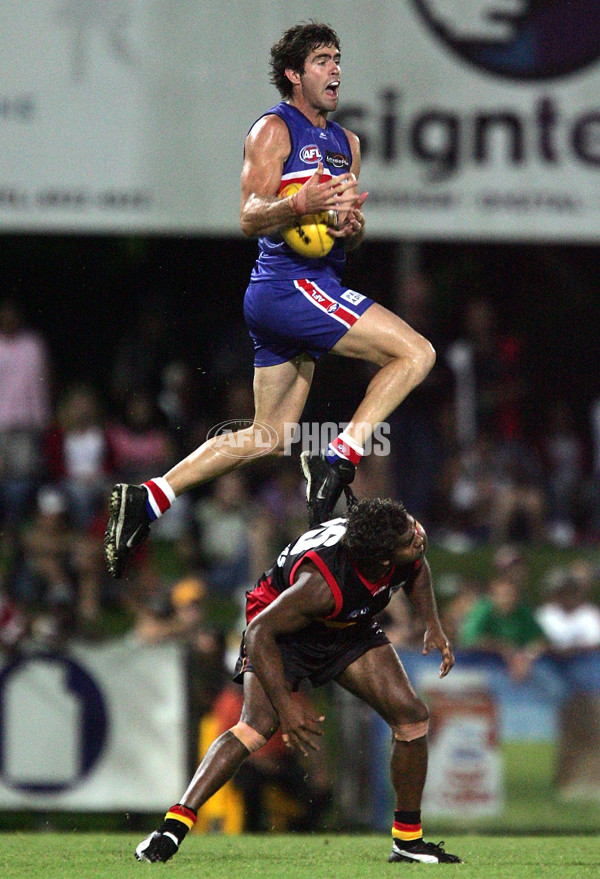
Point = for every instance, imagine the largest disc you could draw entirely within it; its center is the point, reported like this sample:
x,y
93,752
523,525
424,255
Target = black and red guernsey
x,y
356,599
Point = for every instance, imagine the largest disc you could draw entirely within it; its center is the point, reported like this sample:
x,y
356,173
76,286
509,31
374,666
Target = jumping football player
x,y
296,308
312,615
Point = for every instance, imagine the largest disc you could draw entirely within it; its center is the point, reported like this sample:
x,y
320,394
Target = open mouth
x,y
332,88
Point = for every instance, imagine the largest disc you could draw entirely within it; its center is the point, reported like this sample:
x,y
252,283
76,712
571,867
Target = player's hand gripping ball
x,y
308,234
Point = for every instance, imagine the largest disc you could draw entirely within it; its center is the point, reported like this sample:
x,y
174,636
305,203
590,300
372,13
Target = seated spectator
x,y
58,570
179,614
25,408
468,489
518,509
453,612
280,511
509,560
45,576
503,624
569,620
494,491
164,613
78,454
140,443
223,521
563,454
178,402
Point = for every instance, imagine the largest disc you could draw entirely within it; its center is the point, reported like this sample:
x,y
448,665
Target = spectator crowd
x,y
474,474
469,467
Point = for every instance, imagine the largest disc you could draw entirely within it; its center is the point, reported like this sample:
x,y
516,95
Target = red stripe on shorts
x,y
319,298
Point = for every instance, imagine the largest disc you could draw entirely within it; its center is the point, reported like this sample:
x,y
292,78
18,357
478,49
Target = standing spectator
x,y
24,410
501,623
562,451
570,621
141,440
489,379
44,579
224,528
78,453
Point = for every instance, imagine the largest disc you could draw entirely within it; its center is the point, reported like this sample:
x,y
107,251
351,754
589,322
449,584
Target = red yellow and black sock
x,y
407,826
178,820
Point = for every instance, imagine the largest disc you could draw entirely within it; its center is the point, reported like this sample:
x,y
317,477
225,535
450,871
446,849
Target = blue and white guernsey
x,y
309,146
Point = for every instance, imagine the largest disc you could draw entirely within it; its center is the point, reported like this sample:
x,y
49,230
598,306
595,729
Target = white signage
x,y
479,119
94,728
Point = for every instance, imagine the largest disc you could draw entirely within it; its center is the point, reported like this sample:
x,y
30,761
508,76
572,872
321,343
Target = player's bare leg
x,y
280,393
379,679
405,358
258,722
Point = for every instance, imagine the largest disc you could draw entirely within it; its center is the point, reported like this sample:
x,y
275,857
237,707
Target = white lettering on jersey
x,y
324,535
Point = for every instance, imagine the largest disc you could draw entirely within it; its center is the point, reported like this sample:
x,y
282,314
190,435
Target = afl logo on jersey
x,y
310,154
332,308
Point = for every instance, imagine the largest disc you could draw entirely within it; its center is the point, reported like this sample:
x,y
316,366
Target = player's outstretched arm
x,y
421,596
308,599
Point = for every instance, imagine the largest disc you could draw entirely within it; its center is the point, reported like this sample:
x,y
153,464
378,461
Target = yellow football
x,y
308,234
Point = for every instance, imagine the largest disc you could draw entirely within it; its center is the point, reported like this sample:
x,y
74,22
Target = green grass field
x,y
110,856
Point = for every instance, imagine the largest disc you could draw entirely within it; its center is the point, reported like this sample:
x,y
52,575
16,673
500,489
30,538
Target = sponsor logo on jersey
x,y
353,297
310,154
358,613
337,160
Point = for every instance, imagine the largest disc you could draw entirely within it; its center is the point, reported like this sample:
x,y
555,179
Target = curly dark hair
x,y
374,525
294,47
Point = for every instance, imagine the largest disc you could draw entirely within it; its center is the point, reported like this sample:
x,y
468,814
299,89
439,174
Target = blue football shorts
x,y
303,316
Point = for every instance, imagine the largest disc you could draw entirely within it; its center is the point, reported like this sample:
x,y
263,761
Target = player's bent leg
x,y
379,679
258,722
404,356
280,394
